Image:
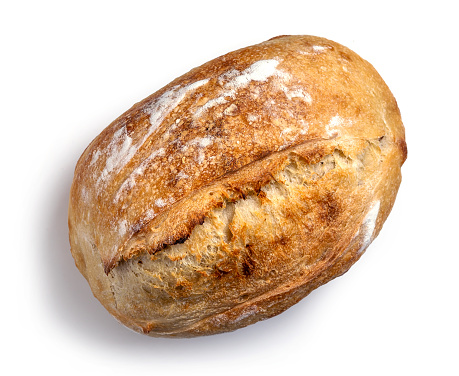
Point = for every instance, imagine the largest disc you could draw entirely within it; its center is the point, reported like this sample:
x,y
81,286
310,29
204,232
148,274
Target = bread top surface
x,y
146,180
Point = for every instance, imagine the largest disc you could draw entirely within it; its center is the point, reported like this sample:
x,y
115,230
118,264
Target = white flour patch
x,y
314,50
285,130
208,105
95,157
336,121
182,175
305,127
85,195
119,152
297,93
122,228
251,118
202,142
129,183
150,213
368,226
201,157
319,49
168,101
121,148
160,203
234,80
258,71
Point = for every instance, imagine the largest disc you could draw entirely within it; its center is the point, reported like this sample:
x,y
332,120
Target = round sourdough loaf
x,y
233,192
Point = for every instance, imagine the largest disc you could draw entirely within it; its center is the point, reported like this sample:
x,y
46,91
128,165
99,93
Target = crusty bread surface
x,y
233,192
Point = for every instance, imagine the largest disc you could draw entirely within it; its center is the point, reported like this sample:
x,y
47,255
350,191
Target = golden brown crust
x,y
221,135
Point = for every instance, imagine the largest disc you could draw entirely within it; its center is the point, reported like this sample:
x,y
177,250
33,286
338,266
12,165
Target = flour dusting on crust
x,y
368,226
129,183
168,101
121,148
234,80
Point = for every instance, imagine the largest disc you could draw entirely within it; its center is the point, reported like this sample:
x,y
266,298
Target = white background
x,y
68,69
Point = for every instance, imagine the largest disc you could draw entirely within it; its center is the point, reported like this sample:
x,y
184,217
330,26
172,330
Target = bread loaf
x,y
233,192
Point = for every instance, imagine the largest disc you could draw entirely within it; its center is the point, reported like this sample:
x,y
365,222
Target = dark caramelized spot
x,y
244,297
283,241
181,240
329,208
248,264
345,56
404,149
